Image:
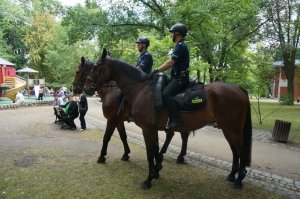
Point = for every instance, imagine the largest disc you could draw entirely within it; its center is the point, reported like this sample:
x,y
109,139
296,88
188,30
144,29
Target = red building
x,y
280,82
7,76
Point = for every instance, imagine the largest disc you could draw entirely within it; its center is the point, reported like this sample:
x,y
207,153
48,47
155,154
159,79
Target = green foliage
x,y
38,36
220,30
287,99
63,59
12,21
283,33
83,23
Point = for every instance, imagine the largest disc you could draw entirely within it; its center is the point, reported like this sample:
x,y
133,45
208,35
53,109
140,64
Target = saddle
x,y
191,99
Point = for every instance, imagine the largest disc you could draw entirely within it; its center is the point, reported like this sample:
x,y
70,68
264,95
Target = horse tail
x,y
247,134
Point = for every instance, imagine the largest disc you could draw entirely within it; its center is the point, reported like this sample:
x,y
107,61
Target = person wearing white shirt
x,y
56,103
19,98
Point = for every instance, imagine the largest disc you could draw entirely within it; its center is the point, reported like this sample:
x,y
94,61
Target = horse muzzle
x,y
77,89
89,91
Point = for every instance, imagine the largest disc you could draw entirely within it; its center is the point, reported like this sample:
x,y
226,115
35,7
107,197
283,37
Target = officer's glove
x,y
154,72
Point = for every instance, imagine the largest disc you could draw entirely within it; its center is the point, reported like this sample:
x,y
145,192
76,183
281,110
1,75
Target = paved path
x,y
275,166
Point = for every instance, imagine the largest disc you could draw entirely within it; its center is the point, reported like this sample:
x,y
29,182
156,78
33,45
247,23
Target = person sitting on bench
x,y
69,112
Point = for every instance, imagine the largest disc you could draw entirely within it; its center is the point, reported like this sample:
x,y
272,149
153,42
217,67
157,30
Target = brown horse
x,y
116,114
228,105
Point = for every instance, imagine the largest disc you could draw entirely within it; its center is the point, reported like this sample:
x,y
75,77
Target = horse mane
x,y
130,70
89,64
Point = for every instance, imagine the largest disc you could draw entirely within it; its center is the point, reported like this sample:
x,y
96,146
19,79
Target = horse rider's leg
x,y
171,89
235,160
184,138
169,136
123,136
151,141
110,127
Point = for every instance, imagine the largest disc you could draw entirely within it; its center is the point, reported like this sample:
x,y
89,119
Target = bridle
x,y
100,72
84,71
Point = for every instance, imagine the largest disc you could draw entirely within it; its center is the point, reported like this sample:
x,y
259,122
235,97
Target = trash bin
x,y
281,131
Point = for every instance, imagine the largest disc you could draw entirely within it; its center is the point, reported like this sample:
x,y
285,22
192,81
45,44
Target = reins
x,y
99,71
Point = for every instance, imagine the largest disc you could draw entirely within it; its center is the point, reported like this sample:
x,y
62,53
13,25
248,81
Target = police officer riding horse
x,y
179,64
145,60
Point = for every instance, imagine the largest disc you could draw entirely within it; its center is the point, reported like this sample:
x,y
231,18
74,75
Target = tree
x,y
12,21
283,32
84,22
220,30
38,36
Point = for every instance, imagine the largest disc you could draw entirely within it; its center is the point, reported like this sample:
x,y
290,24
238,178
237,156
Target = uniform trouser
x,y
82,120
174,87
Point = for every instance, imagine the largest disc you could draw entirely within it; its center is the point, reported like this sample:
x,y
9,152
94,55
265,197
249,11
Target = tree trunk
x,y
289,70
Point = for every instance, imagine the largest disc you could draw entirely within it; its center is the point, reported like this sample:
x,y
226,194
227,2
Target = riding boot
x,y
175,119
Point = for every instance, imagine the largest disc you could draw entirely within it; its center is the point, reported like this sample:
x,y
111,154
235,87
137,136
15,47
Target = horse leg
x,y
239,160
245,150
169,136
235,165
151,141
235,160
123,136
110,127
184,138
241,175
244,161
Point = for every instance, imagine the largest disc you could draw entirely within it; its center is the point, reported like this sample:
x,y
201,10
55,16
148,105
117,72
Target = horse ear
x,y
104,54
82,60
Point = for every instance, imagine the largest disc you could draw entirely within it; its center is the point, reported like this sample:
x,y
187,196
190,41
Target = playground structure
x,y
10,83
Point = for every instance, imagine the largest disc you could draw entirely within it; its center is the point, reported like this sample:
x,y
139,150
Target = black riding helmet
x,y
179,27
143,40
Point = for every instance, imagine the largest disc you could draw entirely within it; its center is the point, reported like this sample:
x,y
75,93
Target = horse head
x,y
81,74
99,74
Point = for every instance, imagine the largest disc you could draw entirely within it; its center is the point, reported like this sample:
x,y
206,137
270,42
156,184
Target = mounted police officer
x,y
145,60
179,64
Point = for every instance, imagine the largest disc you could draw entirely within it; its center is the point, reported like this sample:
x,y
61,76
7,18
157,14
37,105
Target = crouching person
x,y
69,112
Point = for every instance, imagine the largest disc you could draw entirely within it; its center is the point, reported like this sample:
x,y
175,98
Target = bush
x,y
287,99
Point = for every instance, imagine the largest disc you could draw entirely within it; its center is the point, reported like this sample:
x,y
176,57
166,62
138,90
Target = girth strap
x,y
121,105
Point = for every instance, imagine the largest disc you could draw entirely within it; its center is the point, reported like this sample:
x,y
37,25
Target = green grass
x,y
278,112
62,173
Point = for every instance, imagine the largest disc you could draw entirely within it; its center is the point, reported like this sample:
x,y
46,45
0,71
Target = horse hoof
x,y
237,185
125,158
146,185
231,178
101,160
180,160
